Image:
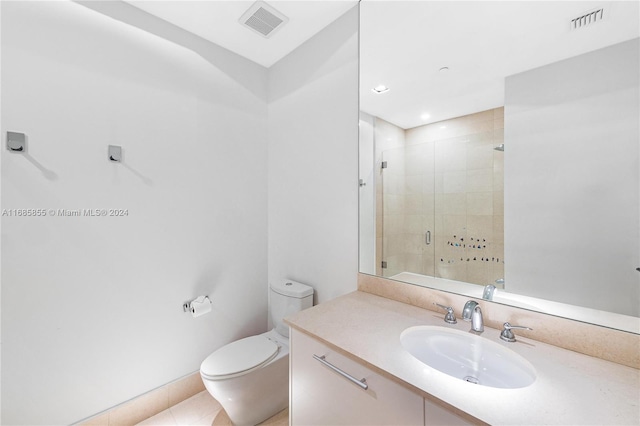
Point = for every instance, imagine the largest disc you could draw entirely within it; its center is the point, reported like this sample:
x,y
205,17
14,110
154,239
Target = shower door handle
x,y
427,237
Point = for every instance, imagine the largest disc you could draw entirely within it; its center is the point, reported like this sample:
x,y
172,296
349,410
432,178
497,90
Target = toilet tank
x,y
287,297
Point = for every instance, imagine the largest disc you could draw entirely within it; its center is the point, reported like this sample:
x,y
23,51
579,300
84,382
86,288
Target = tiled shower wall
x,y
445,178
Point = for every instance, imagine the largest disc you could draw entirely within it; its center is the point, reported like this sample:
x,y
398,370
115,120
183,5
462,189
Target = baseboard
x,y
148,404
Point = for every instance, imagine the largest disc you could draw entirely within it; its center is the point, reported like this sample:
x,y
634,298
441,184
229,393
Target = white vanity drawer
x,y
322,396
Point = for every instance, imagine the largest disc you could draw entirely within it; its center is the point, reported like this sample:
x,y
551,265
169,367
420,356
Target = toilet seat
x,y
239,357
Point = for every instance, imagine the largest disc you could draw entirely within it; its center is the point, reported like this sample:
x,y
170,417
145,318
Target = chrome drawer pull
x,y
362,383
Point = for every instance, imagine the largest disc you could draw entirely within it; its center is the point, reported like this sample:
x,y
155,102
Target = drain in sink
x,y
471,379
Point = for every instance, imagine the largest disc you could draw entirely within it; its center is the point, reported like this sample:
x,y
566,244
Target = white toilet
x,y
250,377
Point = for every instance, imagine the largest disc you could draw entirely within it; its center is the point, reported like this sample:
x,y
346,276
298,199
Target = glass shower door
x,y
408,229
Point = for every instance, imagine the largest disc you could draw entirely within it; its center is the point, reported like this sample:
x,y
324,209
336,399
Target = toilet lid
x,y
239,356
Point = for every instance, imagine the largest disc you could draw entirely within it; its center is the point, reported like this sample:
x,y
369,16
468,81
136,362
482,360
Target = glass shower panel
x,y
408,228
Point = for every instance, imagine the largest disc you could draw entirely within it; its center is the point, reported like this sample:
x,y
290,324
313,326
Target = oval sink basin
x,y
468,357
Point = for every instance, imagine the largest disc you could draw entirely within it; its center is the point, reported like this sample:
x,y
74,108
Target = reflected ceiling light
x,y
425,116
380,89
443,127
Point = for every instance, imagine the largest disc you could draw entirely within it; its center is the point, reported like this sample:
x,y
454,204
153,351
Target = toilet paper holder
x,y
186,306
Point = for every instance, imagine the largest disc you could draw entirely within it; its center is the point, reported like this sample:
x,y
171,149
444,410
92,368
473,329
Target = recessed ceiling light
x,y
444,69
380,89
425,116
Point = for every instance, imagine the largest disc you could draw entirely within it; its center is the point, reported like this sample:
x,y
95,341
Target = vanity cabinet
x,y
322,396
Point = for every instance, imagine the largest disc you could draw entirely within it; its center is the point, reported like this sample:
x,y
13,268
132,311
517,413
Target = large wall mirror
x,y
500,146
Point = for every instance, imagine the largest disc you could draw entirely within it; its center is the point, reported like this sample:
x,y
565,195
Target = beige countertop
x,y
570,388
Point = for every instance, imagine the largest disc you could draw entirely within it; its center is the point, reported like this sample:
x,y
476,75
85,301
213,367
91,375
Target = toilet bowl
x,y
250,377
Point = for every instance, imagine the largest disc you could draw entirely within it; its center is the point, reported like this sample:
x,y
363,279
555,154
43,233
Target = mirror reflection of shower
x,y
440,198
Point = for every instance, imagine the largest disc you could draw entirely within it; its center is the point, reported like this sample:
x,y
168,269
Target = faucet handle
x,y
507,335
450,317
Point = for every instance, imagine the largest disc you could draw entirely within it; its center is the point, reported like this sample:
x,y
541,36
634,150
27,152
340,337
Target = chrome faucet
x,y
468,309
488,292
477,324
472,312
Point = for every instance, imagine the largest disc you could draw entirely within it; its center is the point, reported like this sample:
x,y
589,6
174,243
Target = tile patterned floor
x,y
200,409
280,419
203,410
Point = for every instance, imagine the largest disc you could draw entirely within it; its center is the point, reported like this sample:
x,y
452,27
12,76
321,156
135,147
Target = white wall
x,y
572,180
313,157
91,306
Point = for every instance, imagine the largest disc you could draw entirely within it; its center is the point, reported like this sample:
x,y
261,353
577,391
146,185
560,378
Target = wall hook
x,y
16,142
115,153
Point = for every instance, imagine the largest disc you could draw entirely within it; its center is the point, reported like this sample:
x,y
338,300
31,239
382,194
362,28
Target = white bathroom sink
x,y
468,357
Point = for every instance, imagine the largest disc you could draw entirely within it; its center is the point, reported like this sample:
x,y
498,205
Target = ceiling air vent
x,y
263,19
587,19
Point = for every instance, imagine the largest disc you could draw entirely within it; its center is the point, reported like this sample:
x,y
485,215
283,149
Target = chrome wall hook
x,y
115,153
16,142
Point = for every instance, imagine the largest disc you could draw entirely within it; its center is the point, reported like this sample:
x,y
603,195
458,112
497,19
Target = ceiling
x,y
217,22
405,43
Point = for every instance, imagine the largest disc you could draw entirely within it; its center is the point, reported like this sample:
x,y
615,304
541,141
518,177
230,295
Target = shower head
x,y
499,147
